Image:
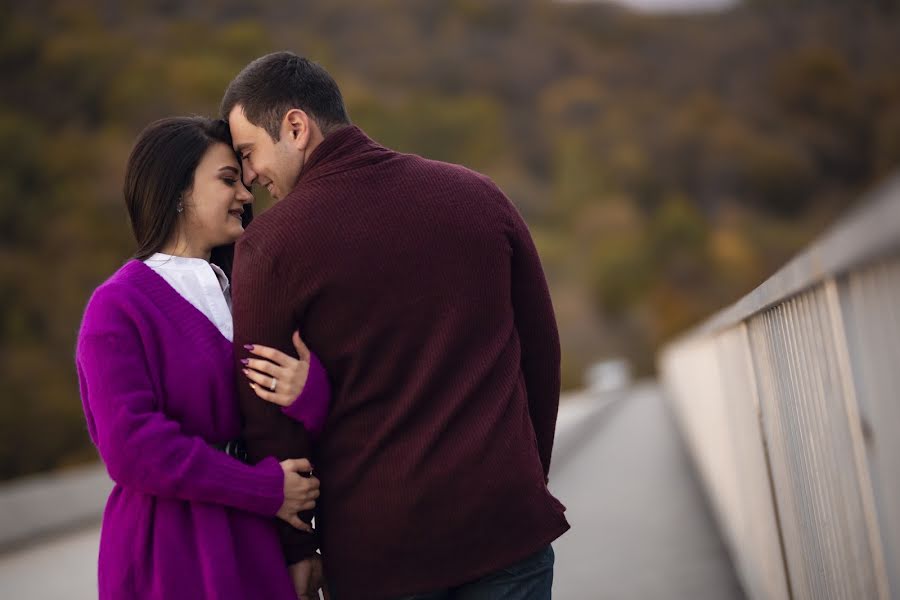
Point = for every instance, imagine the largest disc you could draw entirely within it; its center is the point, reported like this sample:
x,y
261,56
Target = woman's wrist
x,y
311,405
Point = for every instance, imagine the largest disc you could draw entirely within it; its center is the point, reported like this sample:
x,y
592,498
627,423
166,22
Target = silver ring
x,y
274,384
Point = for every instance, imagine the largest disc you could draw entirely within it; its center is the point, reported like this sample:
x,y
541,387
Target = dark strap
x,y
234,448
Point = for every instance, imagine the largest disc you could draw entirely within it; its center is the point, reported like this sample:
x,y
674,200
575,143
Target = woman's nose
x,y
244,195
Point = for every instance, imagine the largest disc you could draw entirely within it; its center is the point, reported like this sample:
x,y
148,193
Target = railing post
x,y
851,404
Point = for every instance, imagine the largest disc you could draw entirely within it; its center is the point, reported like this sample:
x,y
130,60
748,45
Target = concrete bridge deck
x,y
641,528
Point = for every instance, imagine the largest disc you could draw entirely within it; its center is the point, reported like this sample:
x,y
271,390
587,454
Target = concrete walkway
x,y
640,527
62,568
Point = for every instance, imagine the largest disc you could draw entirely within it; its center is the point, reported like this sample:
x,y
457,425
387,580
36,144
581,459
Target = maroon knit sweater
x,y
418,286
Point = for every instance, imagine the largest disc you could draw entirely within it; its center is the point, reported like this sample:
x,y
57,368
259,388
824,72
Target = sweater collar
x,y
172,263
343,150
187,317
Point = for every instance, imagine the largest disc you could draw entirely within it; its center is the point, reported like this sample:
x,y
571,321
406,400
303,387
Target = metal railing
x,y
790,404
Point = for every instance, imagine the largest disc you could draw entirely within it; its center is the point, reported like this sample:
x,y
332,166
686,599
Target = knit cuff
x,y
271,495
311,406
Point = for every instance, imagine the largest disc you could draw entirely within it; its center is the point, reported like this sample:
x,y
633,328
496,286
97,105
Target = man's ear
x,y
297,127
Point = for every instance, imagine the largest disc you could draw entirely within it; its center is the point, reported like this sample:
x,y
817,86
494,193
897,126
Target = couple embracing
x,y
378,351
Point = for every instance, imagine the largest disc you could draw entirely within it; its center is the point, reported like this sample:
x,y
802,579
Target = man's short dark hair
x,y
273,84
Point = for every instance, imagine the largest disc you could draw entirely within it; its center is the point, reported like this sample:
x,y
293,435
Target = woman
x,y
155,365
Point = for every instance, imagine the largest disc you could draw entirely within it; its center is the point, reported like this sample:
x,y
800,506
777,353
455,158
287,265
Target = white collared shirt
x,y
201,283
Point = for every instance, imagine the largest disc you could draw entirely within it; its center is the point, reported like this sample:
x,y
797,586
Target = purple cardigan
x,y
311,406
158,387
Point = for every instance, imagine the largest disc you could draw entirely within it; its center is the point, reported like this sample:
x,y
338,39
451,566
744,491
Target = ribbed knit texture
x,y
157,384
311,406
418,286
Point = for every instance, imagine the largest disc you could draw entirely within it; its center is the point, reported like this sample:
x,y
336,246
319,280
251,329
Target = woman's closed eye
x,y
229,181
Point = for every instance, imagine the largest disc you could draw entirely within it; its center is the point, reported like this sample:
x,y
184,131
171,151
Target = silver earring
x,y
179,207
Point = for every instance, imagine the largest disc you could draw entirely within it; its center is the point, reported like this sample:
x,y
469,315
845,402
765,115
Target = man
x,y
419,288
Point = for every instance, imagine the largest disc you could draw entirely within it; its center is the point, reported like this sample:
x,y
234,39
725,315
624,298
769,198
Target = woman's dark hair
x,y
160,171
273,84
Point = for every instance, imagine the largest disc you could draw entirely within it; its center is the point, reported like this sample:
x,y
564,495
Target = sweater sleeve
x,y
538,335
258,291
311,406
143,448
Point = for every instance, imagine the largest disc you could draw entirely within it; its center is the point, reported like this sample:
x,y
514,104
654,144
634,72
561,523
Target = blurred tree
x,y
666,165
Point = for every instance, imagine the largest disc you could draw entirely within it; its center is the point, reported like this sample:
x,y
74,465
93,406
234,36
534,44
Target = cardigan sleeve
x,y
257,293
144,449
311,406
538,335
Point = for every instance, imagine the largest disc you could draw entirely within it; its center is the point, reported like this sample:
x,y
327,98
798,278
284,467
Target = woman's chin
x,y
234,232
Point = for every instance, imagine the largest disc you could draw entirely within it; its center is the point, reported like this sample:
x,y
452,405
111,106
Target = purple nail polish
x,y
248,346
245,361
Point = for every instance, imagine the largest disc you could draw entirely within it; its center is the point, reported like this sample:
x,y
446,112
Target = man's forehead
x,y
241,135
236,111
237,120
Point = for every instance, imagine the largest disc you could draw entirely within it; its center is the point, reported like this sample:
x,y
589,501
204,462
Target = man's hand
x,y
309,578
300,492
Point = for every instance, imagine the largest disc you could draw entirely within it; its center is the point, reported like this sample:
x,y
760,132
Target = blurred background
x,y
667,155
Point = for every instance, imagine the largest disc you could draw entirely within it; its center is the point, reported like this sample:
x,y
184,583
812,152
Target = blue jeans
x,y
530,579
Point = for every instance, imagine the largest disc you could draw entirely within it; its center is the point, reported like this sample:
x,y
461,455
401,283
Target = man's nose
x,y
248,176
